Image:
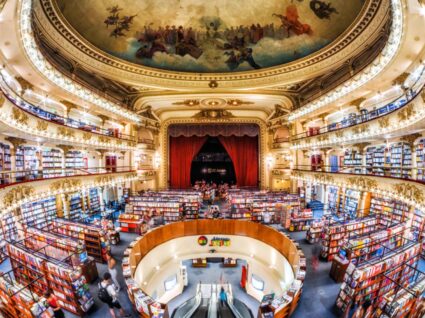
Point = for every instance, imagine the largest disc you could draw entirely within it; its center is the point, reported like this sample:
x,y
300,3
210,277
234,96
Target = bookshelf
x,y
94,200
9,226
95,239
75,206
354,160
348,202
314,233
390,210
170,208
333,235
26,159
301,220
375,160
52,162
66,281
403,300
5,163
130,223
420,159
418,228
333,198
368,281
39,213
17,300
401,156
240,206
75,160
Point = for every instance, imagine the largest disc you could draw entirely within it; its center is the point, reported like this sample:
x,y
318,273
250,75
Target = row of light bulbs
x,y
43,66
378,65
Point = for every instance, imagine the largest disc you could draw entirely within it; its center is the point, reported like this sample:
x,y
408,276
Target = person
x,y
53,302
223,297
315,257
267,217
108,294
112,269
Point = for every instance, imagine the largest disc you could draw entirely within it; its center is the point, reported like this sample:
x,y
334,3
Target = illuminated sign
x,y
220,241
202,240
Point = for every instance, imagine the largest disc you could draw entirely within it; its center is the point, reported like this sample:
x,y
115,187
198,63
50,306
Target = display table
x,y
199,262
230,262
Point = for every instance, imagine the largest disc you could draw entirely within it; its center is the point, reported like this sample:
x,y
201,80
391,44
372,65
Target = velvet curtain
x,y
244,153
182,152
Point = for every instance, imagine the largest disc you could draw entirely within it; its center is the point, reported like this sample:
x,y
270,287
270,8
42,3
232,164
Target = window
x,y
170,282
257,282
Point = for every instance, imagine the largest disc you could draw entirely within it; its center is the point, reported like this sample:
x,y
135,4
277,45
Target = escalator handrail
x,y
198,302
229,295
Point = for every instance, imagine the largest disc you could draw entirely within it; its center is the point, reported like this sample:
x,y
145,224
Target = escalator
x,y
225,312
202,311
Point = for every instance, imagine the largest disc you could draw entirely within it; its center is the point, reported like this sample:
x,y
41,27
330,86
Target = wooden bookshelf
x,y
39,213
95,239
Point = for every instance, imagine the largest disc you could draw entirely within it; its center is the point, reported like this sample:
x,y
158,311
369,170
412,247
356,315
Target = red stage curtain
x,y
244,153
182,152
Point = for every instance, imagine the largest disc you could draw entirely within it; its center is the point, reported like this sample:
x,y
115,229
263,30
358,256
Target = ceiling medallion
x,y
213,102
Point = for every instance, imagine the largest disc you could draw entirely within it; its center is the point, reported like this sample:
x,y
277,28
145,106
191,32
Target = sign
x,y
220,241
202,240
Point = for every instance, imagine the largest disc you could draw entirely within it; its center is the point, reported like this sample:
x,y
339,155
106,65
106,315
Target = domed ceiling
x,y
215,36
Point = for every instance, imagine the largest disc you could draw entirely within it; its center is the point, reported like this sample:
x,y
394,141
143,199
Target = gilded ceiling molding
x,y
65,185
45,68
389,52
20,116
370,20
188,102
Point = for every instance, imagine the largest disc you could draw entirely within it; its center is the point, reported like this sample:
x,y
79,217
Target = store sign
x,y
220,241
202,240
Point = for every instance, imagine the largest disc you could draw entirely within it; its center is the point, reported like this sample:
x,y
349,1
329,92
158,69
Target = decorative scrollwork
x,y
20,116
384,122
362,182
87,136
42,125
323,178
409,191
17,194
406,112
64,185
65,132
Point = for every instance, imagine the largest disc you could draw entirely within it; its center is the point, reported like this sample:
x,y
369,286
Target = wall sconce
x,y
156,160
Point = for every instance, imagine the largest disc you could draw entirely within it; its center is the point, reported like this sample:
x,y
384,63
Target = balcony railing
x,y
366,116
8,178
398,172
34,110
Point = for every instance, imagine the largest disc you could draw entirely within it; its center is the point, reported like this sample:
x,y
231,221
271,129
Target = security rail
x,y
34,110
397,103
8,178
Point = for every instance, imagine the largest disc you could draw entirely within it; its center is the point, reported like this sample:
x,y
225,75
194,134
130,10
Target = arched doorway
x,y
212,163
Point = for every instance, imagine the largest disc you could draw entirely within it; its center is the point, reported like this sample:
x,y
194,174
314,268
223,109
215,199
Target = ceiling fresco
x,y
215,36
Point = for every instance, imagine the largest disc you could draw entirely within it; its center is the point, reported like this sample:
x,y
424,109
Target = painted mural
x,y
210,36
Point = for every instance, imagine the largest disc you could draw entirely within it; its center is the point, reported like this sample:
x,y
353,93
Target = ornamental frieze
x,y
42,125
17,194
20,116
323,178
409,191
2,100
65,132
63,185
362,182
406,112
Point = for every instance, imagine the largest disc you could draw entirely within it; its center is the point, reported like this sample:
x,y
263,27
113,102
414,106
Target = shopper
x,y
112,269
53,302
108,294
223,297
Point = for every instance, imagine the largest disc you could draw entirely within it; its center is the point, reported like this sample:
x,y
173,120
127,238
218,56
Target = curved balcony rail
x,y
8,178
398,172
28,107
365,116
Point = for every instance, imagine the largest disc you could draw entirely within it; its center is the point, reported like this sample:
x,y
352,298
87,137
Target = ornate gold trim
x,y
18,193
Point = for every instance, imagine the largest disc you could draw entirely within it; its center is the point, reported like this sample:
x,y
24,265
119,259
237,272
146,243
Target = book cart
x,y
18,300
95,239
63,276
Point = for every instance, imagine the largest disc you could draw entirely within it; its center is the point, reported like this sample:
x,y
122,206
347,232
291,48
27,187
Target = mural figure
x,y
210,36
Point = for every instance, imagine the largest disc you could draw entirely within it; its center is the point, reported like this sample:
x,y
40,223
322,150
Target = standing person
x,y
223,297
112,269
53,302
108,294
315,257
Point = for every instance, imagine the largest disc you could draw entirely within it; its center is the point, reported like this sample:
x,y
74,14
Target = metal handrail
x,y
359,119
